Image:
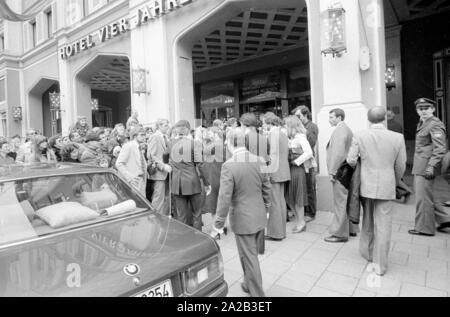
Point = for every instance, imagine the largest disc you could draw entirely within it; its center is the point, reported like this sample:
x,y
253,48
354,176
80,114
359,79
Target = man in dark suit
x,y
280,174
337,151
431,146
256,143
185,157
312,133
245,193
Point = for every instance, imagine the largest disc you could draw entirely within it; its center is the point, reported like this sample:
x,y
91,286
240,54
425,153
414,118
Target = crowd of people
x,y
260,173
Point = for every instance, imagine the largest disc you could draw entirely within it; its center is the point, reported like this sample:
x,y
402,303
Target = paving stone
x,y
439,254
396,227
363,293
402,237
430,241
274,266
319,255
231,276
323,292
269,280
380,284
351,254
337,282
410,248
397,257
305,236
347,268
312,268
228,253
316,228
298,282
411,290
279,291
406,274
429,265
438,281
287,255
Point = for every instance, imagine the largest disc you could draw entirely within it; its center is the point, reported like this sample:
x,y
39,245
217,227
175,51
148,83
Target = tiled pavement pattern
x,y
304,265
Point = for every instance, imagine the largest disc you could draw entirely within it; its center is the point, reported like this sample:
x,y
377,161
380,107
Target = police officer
x,y
430,149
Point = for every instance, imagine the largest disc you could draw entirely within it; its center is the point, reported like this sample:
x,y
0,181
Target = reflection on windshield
x,y
36,207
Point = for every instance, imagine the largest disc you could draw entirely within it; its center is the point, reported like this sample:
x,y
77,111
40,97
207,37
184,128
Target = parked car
x,y
74,230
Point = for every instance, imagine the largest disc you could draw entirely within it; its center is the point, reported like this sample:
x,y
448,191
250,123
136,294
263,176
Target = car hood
x,y
90,262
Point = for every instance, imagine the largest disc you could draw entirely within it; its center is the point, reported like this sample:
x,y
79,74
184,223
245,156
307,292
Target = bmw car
x,y
72,230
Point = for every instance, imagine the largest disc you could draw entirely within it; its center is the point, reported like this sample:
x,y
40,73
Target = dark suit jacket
x,y
257,144
338,147
312,133
279,156
185,157
245,193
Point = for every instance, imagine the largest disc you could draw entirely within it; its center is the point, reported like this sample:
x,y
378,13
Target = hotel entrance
x,y
257,62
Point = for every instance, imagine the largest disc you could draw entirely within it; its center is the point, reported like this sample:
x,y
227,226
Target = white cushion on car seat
x,y
65,214
98,200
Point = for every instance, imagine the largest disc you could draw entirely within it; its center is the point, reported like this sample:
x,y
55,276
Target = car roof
x,y
11,172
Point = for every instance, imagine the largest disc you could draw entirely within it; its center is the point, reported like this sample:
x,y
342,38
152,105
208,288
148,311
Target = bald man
x,y
383,163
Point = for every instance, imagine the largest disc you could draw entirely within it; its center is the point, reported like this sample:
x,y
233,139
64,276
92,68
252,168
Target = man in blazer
x,y
157,146
185,158
383,163
245,193
337,151
279,174
256,143
431,147
131,162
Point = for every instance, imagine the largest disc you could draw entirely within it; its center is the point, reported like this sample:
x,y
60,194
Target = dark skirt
x,y
297,192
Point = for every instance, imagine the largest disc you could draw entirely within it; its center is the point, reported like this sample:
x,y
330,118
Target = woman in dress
x,y
300,161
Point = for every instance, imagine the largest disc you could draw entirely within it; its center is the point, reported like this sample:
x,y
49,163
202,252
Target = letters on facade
x,y
154,9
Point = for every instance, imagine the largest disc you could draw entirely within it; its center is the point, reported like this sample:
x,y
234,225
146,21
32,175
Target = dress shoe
x,y
299,229
334,239
272,239
353,235
417,233
309,219
245,288
443,226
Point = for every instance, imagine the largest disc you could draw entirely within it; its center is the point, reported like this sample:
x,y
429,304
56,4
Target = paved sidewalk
x,y
304,265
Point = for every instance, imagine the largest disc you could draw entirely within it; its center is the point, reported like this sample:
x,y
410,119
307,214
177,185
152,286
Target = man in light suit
x,y
131,162
383,163
280,174
157,146
337,151
245,193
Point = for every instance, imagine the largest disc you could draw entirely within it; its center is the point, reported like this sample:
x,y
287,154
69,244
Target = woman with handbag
x,y
301,160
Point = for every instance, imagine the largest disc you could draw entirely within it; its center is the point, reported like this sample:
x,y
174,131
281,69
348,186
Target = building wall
x,y
420,40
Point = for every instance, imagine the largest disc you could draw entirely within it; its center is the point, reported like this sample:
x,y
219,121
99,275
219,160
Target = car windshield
x,y
38,207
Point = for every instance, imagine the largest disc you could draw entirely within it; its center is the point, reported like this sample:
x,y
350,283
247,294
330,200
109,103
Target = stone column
x,y
339,82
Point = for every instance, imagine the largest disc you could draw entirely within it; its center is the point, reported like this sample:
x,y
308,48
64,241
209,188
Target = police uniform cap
x,y
423,102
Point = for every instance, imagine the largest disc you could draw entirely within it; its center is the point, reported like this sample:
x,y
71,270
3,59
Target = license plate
x,y
163,289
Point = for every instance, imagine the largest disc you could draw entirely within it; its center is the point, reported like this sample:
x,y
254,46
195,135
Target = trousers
x,y
375,241
248,246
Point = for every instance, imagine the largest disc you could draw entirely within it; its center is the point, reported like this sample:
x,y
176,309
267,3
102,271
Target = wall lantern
x,y
140,81
94,104
333,31
17,112
390,77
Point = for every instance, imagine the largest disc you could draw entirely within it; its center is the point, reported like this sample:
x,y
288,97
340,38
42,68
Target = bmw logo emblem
x,y
131,269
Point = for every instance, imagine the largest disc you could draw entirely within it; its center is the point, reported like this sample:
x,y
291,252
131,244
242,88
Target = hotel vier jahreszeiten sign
x,y
154,10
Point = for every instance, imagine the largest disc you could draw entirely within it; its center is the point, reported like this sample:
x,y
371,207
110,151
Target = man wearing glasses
x,y
430,149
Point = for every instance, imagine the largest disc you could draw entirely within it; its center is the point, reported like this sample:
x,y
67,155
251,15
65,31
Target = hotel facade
x,y
206,59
